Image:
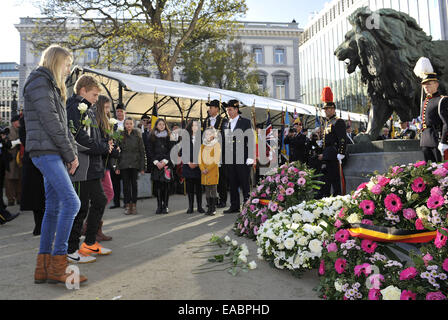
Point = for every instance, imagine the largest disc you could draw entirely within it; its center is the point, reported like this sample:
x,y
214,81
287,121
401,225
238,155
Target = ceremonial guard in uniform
x,y
434,113
219,123
238,173
434,135
333,148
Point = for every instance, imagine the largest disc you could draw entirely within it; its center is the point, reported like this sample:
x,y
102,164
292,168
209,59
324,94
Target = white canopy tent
x,y
177,100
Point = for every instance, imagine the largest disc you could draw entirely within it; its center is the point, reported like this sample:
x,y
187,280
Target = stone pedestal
x,y
366,158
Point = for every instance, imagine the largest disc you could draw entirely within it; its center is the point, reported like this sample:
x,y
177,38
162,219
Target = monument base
x,y
366,158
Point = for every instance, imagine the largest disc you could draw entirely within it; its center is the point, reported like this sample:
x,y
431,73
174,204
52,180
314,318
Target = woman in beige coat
x,y
209,158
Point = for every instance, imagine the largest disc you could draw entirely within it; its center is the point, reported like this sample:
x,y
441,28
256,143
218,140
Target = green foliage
x,y
226,66
149,32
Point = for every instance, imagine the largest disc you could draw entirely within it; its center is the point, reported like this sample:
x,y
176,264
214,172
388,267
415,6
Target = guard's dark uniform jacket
x,y
334,143
434,126
335,139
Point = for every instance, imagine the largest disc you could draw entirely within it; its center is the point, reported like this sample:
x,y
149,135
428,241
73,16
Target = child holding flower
x,y
208,159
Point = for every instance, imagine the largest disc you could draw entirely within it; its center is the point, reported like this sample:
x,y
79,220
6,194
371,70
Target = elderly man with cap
x,y
238,165
434,136
298,143
406,132
333,148
219,123
13,173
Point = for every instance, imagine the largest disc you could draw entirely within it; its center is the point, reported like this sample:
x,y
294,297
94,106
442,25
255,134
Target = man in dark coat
x,y
238,165
219,123
333,151
434,137
298,143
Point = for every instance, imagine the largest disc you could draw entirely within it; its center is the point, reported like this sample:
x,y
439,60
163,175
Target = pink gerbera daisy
x,y
374,294
419,164
408,295
368,246
435,201
418,185
364,268
445,264
342,235
340,265
368,206
393,203
441,239
408,273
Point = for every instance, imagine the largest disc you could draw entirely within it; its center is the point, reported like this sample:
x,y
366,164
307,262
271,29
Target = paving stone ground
x,y
152,258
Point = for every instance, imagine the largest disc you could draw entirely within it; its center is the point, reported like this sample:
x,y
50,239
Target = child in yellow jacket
x,y
209,158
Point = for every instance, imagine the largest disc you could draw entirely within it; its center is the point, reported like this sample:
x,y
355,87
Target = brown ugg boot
x,y
134,208
127,208
100,236
57,270
131,209
41,272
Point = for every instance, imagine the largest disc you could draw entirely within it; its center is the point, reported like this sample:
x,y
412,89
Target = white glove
x,y
340,157
249,161
15,142
442,147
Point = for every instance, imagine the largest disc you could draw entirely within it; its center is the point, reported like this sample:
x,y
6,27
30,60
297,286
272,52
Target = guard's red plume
x,y
327,95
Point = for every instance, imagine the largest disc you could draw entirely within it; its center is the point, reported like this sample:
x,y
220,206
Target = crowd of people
x,y
73,157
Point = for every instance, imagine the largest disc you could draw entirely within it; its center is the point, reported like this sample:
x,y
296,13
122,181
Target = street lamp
x,y
14,87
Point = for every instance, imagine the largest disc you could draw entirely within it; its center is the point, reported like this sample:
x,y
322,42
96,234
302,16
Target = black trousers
x,y
2,179
116,184
130,190
332,179
222,184
193,185
93,203
239,175
432,154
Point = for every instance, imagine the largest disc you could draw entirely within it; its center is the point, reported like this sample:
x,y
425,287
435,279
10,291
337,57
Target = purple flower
x,y
435,296
289,191
301,181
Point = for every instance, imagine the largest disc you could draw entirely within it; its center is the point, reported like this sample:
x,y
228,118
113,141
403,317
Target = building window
x,y
280,88
262,81
258,55
281,85
279,55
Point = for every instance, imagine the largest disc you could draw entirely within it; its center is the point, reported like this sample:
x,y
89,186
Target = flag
x,y
296,115
285,131
269,134
254,121
154,115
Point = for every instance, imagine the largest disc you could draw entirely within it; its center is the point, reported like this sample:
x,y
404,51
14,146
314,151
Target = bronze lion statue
x,y
386,45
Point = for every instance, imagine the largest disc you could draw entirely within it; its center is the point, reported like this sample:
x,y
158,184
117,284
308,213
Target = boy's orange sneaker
x,y
95,248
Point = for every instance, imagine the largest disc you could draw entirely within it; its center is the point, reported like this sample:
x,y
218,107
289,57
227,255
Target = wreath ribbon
x,y
386,234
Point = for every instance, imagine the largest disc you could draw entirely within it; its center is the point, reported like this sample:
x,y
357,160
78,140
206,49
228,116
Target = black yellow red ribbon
x,y
386,234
